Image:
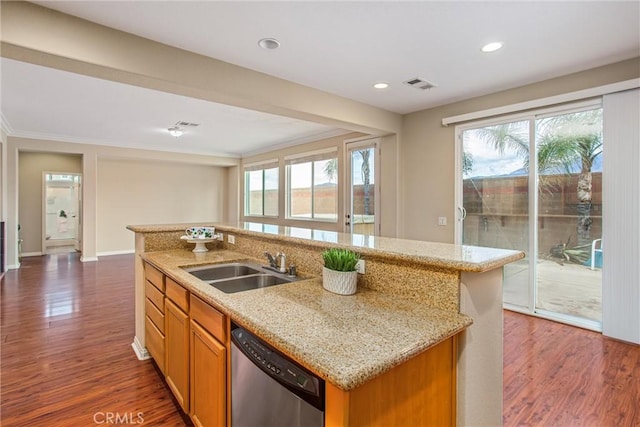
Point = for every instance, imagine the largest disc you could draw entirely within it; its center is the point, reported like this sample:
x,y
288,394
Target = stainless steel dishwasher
x,y
269,389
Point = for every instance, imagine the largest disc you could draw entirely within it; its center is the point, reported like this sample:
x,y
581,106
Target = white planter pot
x,y
340,282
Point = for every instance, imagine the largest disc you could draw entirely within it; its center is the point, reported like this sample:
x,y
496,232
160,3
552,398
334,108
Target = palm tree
x,y
563,142
331,170
567,141
366,179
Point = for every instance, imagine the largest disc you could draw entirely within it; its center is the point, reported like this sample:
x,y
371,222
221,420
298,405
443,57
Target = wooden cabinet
x,y
419,392
208,365
177,351
190,353
154,315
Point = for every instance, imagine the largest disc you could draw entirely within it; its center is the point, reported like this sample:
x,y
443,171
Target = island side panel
x,y
420,392
480,350
139,343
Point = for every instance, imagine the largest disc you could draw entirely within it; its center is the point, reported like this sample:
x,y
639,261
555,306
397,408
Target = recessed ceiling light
x,y
381,85
269,43
491,47
175,131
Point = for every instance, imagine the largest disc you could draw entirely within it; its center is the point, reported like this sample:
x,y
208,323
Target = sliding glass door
x,y
495,198
547,205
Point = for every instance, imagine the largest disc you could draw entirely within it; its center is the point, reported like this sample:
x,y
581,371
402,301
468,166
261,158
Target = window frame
x,y
312,157
263,167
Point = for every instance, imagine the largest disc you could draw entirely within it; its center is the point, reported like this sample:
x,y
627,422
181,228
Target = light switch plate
x,y
231,239
442,220
360,266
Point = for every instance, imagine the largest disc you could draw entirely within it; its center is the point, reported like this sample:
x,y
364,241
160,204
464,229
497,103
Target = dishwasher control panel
x,y
275,364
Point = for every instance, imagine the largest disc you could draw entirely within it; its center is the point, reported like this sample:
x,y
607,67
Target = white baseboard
x,y
13,266
140,351
109,253
28,254
88,259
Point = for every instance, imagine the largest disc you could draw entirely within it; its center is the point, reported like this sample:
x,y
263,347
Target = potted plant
x,y
339,273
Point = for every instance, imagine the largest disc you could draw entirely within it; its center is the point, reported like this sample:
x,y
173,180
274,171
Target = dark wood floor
x,y
558,375
66,358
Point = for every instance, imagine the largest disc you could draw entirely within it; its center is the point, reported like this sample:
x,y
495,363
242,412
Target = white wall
x,y
141,192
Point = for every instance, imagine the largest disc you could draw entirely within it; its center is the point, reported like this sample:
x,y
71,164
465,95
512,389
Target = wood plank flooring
x,y
66,359
66,356
558,375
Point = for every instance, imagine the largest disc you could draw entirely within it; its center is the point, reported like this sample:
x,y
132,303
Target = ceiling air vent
x,y
186,124
420,84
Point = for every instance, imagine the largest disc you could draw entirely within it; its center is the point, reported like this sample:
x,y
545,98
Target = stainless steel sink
x,y
247,283
223,271
239,276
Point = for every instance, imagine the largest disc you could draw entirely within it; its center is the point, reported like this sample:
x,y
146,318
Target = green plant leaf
x,y
340,259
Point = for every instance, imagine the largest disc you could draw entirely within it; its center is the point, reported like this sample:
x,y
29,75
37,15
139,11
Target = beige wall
x,y
3,175
428,148
30,169
91,155
141,192
232,184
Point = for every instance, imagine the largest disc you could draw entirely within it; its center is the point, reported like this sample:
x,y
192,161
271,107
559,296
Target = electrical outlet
x,y
442,220
360,266
231,239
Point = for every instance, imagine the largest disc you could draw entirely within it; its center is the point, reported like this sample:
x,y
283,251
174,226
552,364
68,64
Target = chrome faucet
x,y
271,259
283,262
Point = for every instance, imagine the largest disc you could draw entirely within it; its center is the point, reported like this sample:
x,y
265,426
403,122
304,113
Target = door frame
x,y
532,116
353,145
78,240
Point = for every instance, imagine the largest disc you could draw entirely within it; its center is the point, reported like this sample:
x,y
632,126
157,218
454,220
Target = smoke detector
x,y
419,83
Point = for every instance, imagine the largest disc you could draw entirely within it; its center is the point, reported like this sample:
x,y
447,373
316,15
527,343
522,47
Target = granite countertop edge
x,y
308,329
442,255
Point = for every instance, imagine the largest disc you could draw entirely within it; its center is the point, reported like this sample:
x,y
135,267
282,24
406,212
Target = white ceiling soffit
x,y
44,103
345,47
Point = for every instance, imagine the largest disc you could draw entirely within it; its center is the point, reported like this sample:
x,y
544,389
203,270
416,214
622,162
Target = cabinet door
x,y
208,379
176,333
154,342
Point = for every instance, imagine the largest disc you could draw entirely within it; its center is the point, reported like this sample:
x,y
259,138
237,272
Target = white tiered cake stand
x,y
200,243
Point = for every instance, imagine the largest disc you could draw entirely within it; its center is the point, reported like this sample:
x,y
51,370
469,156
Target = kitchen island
x,y
413,303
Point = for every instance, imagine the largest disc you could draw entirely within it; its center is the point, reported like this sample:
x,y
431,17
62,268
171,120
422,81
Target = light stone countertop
x,y
347,340
443,255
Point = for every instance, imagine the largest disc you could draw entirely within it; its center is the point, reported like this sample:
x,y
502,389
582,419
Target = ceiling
x,y
338,47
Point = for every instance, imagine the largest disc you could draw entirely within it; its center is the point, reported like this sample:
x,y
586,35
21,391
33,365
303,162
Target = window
x,y
312,187
261,189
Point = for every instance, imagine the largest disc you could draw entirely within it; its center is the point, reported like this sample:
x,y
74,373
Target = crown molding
x,y
5,126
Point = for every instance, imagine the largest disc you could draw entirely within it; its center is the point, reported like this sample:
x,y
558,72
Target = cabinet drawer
x,y
209,318
156,297
177,294
154,341
156,316
154,276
